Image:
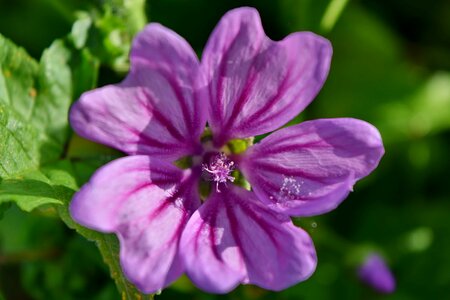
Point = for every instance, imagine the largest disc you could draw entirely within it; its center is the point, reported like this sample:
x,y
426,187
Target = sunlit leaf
x,y
34,101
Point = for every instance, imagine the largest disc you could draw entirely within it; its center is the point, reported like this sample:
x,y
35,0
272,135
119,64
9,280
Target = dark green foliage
x,y
390,67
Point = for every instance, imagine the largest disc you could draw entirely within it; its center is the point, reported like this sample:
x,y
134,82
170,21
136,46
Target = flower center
x,y
219,169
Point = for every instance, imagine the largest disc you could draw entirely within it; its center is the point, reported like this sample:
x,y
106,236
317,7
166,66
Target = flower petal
x,y
310,168
234,239
256,84
158,110
376,273
147,203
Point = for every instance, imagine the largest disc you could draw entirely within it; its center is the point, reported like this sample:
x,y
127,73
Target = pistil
x,y
220,168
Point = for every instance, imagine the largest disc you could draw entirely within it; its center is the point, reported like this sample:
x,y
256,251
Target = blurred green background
x,y
391,67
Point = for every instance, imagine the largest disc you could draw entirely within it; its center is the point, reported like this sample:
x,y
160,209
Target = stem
x,y
331,15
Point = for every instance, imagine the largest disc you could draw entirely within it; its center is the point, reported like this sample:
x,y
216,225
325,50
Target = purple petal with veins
x,y
233,239
246,85
256,84
147,203
308,169
158,110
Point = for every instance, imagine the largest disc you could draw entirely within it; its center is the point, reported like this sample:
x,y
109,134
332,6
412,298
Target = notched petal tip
x,y
256,84
156,35
242,13
321,47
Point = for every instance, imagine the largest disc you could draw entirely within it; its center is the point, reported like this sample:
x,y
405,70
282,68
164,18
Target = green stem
x,y
331,15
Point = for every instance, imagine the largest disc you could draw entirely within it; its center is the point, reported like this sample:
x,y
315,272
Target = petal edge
x,y
309,168
147,203
256,85
229,231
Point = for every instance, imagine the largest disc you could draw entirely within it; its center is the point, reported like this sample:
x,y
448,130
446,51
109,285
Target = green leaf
x,y
54,93
52,184
17,78
29,191
33,106
34,102
37,96
20,144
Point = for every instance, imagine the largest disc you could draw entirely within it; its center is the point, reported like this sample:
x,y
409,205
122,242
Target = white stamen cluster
x,y
220,167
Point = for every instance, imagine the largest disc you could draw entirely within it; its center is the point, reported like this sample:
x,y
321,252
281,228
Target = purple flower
x,y
375,273
171,220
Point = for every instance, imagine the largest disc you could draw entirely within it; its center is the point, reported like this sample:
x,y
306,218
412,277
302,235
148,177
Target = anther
x,y
220,167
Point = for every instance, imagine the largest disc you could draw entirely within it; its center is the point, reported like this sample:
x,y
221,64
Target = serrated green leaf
x,y
34,104
19,147
17,78
37,96
53,94
34,101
